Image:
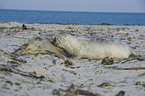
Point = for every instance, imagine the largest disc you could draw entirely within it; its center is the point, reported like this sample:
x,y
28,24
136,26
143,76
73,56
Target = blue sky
x,y
76,5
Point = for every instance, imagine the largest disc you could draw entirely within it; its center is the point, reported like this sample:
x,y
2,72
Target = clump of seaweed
x,y
106,24
105,84
11,69
140,83
68,63
73,91
132,68
107,61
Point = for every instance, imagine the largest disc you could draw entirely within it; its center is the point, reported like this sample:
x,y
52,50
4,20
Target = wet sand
x,y
41,74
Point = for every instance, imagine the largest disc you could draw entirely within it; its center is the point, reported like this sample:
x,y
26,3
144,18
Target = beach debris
x,y
140,83
68,63
105,84
133,58
141,74
15,60
73,91
140,58
107,61
24,26
132,68
121,93
106,24
72,72
5,68
11,69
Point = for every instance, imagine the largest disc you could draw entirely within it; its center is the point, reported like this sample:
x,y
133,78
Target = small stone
x,y
56,92
24,26
121,93
68,63
107,61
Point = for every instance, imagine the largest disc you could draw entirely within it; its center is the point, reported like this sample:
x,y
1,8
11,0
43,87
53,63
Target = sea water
x,y
66,17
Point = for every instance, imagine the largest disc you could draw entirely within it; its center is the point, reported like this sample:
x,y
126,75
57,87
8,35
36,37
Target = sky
x,y
133,6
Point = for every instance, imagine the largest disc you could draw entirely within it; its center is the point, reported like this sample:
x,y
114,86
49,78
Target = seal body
x,y
92,47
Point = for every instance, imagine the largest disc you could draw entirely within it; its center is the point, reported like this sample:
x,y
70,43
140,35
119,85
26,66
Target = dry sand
x,y
39,75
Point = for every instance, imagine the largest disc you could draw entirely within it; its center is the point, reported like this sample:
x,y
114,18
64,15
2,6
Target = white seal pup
x,y
92,47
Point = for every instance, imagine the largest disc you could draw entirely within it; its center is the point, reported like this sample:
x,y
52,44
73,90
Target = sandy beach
x,y
38,75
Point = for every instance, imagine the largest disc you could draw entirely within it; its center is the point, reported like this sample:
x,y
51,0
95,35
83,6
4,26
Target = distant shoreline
x,y
82,24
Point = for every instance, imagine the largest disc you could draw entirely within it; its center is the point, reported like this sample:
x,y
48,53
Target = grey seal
x,y
77,46
89,47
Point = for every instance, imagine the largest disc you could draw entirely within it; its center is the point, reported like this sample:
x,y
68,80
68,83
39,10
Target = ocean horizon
x,y
71,17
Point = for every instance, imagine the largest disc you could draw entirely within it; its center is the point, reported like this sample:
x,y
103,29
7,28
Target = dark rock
x,y
121,93
73,91
107,61
24,26
68,63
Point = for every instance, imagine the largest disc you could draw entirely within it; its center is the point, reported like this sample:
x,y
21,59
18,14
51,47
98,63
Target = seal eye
x,y
55,41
